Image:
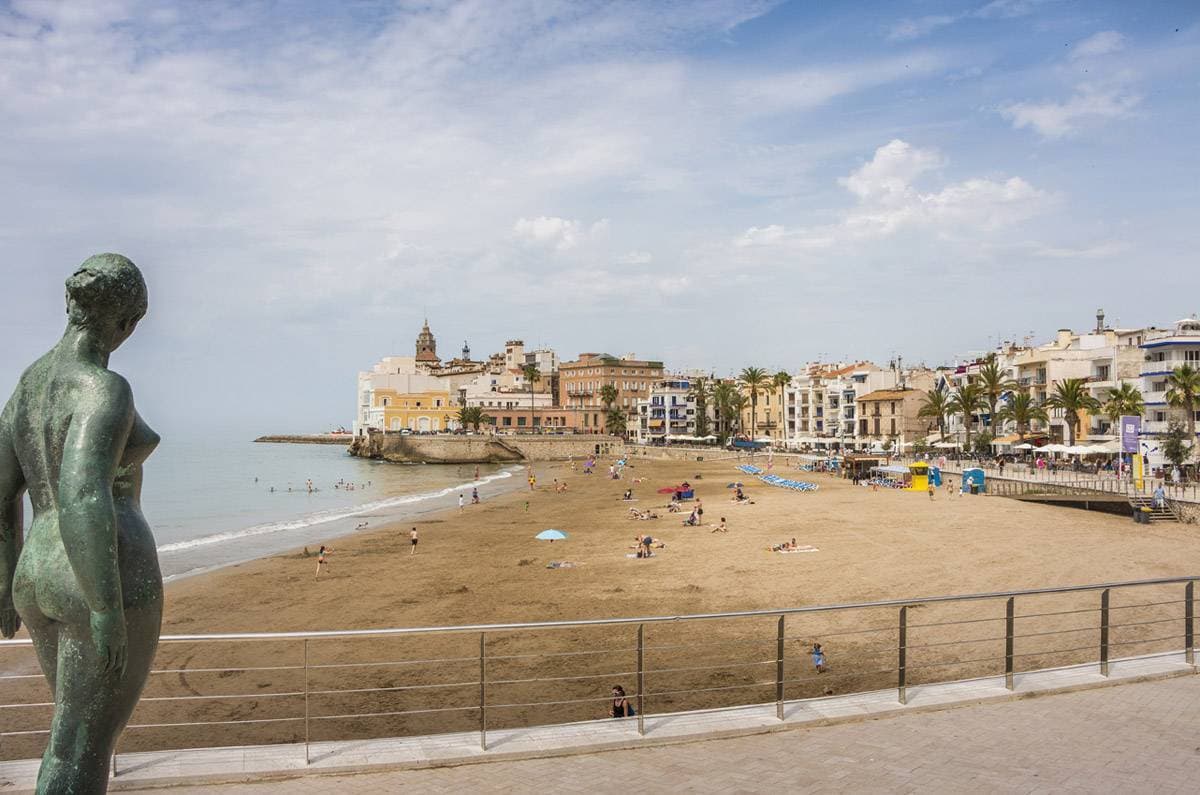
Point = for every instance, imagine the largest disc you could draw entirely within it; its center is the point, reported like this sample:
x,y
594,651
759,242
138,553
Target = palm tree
x,y
737,405
1183,392
1022,410
1124,400
699,394
532,376
967,400
936,407
754,379
1072,396
608,396
722,394
780,381
995,384
614,421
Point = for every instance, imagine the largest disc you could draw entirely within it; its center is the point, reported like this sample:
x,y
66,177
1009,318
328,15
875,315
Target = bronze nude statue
x,y
86,581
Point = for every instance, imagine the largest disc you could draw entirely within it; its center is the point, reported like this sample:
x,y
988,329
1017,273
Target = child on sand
x,y
321,562
818,657
722,527
412,540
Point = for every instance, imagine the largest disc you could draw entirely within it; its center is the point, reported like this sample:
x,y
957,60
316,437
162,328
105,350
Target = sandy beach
x,y
482,564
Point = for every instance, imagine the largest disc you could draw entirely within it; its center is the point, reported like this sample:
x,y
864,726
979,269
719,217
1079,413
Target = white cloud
x,y
560,234
635,258
889,201
907,29
1103,250
1057,119
1101,43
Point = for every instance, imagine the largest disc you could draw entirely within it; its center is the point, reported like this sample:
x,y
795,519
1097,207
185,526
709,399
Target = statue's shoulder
x,y
104,389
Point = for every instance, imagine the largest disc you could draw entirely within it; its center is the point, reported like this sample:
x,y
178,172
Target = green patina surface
x,y
84,580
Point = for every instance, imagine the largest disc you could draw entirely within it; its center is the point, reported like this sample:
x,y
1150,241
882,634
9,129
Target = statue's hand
x,y
10,622
108,633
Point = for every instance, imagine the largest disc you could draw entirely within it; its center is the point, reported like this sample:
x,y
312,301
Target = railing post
x,y
779,670
641,678
901,673
1104,632
1189,635
306,740
483,691
1009,626
114,761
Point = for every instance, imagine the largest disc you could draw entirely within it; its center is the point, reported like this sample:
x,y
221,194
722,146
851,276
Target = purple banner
x,y
1130,428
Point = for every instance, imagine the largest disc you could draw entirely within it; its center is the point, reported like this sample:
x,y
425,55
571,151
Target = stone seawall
x,y
481,449
309,438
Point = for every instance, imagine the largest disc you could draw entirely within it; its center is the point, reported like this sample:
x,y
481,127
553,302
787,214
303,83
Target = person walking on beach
x,y
321,561
474,496
931,490
412,541
818,658
461,502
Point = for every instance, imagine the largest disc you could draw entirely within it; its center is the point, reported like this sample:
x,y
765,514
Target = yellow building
x,y
414,411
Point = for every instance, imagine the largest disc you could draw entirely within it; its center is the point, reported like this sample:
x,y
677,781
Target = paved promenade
x,y
1142,737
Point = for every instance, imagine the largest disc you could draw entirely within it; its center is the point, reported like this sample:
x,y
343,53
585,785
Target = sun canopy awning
x,y
895,469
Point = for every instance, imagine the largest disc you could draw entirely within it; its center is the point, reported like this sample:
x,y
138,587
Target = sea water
x,y
213,500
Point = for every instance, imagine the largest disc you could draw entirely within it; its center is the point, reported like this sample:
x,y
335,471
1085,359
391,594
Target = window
x,y
893,426
1191,356
508,421
521,421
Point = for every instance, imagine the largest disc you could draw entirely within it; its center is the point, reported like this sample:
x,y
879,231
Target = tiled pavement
x,y
1140,737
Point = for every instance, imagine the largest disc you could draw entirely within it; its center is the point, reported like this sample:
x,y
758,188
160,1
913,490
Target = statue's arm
x,y
12,489
87,518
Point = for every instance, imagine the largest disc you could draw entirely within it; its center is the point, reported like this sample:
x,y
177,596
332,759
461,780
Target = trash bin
x,y
974,488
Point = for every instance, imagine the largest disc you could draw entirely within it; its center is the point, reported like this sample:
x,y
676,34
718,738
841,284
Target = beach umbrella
x,y
734,486
551,535
667,490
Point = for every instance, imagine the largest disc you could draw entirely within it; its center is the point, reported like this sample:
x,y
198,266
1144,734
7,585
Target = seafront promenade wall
x,y
481,449
309,438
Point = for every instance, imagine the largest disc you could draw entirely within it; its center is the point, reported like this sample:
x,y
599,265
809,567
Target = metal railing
x,y
303,687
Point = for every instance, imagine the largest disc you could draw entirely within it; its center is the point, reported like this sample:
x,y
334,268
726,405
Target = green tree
x,y
754,380
936,406
737,406
722,394
967,400
995,384
780,381
1123,400
1175,444
1183,392
1022,410
983,442
1072,396
532,375
608,395
698,393
614,421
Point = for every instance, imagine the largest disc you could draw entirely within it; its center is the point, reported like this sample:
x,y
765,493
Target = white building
x,y
669,410
821,404
1163,350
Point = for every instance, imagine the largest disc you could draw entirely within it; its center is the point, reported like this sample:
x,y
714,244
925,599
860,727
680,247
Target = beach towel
x,y
805,548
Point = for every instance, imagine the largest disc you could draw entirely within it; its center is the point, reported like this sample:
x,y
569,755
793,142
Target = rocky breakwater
x,y
480,449
309,438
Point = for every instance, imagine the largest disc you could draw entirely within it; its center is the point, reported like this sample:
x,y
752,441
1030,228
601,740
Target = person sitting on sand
x,y
722,527
692,519
628,495
673,507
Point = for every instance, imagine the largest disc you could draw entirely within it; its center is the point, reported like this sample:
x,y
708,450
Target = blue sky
x,y
717,184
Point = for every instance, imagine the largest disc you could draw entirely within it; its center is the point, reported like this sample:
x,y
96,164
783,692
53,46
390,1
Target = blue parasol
x,y
551,535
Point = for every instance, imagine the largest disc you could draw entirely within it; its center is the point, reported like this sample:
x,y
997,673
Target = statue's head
x,y
107,294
